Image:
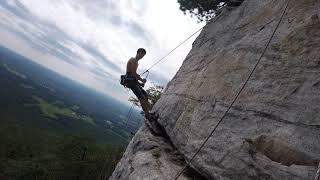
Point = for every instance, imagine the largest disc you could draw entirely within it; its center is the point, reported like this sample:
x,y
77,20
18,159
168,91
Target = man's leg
x,y
142,95
148,105
145,106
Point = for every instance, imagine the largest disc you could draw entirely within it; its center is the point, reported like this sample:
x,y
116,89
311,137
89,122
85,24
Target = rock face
x,y
273,129
152,156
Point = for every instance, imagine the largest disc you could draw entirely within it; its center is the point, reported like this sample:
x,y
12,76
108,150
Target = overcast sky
x,y
90,41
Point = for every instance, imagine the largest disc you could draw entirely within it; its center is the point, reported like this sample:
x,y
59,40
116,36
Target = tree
x,y
204,10
154,94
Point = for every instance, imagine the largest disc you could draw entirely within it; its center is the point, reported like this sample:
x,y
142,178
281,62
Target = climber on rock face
x,y
136,86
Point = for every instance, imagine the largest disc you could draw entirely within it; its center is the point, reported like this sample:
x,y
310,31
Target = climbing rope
x,y
317,176
129,115
161,59
180,44
237,95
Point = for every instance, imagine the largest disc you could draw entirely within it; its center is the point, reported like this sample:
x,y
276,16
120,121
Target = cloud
x,y
95,52
50,39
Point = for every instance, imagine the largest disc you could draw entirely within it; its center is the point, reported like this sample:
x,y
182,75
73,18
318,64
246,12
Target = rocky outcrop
x,y
151,155
273,129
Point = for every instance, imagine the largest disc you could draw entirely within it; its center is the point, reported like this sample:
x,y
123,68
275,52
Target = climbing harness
x,y
147,71
125,79
237,95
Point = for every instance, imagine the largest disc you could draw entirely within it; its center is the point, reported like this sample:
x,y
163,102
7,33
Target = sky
x,y
90,41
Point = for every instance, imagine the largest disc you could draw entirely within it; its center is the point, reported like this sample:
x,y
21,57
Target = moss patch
x,y
53,111
156,153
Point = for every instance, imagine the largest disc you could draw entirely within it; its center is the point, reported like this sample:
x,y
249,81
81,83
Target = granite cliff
x,y
273,129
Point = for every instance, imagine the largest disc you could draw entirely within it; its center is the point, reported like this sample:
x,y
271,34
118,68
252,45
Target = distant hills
x,y
60,103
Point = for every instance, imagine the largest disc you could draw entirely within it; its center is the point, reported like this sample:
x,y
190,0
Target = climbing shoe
x,y
152,116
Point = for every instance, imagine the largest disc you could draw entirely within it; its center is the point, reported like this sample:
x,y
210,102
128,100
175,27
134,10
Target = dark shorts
x,y
137,89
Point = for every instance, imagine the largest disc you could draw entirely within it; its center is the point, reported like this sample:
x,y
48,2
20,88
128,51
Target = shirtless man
x,y
135,85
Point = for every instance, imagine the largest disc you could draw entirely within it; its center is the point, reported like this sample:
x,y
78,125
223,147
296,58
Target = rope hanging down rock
x,y
238,94
317,176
